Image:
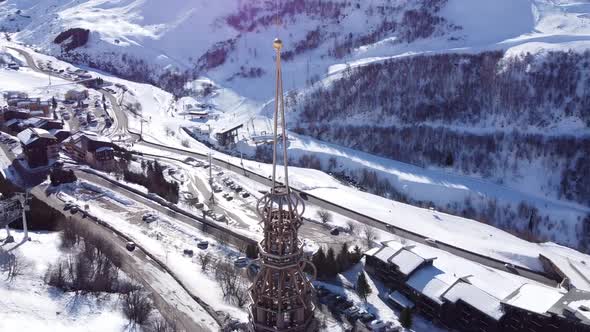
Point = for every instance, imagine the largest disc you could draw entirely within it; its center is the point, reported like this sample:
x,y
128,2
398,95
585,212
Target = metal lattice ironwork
x,y
281,292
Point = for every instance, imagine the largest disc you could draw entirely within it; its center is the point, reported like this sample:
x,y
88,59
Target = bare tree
x,y
369,235
324,215
351,226
161,325
241,294
204,259
13,265
232,284
226,276
169,131
137,307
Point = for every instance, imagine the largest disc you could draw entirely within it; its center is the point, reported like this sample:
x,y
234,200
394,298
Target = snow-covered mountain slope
x,y
230,40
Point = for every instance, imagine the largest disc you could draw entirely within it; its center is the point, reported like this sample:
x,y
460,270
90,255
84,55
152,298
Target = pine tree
x,y
343,258
251,251
331,264
319,261
405,318
357,254
362,286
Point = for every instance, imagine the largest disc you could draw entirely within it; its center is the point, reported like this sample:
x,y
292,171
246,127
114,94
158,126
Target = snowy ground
x,y
461,232
165,239
28,304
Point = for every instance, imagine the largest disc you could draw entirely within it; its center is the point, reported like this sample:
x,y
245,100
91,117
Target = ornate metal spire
x,y
281,292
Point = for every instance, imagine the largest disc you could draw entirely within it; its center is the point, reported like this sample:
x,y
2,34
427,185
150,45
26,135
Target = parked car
x,y
246,195
376,325
241,262
343,303
367,317
130,246
188,252
67,206
335,231
203,245
351,311
229,198
74,209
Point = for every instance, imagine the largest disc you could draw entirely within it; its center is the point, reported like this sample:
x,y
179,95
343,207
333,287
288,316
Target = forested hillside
x,y
482,115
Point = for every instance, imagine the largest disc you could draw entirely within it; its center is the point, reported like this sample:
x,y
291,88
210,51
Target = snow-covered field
x,y
28,304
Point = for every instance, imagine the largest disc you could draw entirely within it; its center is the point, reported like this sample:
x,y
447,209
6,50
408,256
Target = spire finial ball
x,y
277,44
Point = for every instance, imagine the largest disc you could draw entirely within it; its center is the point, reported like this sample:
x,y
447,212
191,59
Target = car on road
x,y
335,231
376,325
241,262
188,252
303,196
510,267
149,217
67,206
203,245
74,209
130,246
229,198
246,195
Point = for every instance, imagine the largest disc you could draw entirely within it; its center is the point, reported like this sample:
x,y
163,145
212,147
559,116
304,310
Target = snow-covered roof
x,y
494,282
36,122
432,282
385,253
575,303
11,122
30,135
475,297
535,298
571,263
406,261
401,300
581,307
372,251
104,148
